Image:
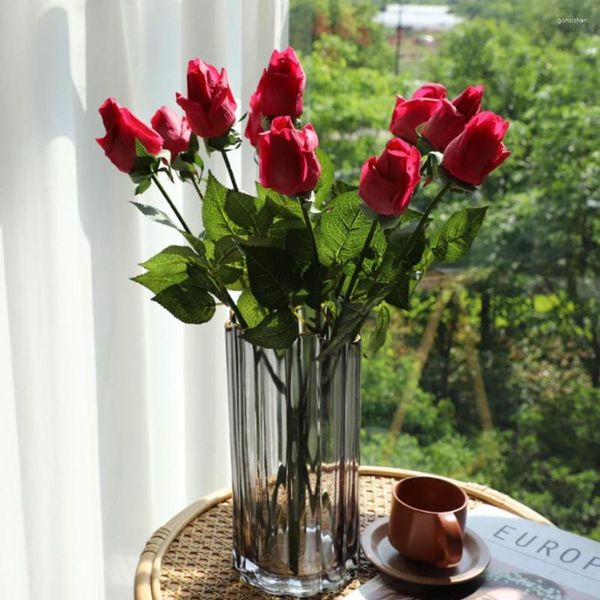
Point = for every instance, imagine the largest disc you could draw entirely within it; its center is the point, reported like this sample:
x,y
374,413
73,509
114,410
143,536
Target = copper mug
x,y
427,521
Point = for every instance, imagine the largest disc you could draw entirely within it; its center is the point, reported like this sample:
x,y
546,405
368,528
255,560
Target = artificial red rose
x,y
174,130
255,120
437,91
478,150
450,118
122,129
408,115
279,92
287,162
210,105
388,182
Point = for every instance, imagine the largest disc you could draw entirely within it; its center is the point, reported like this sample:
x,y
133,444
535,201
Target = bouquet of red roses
x,y
305,253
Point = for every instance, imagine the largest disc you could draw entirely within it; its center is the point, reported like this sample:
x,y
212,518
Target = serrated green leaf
x,y
243,211
278,330
154,213
187,302
157,282
251,309
217,222
343,230
326,179
399,295
298,242
455,237
378,335
171,259
272,274
167,268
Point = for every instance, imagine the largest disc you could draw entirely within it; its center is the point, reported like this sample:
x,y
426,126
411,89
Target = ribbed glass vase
x,y
295,427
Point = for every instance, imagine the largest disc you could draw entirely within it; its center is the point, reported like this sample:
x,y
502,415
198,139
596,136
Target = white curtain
x,y
113,416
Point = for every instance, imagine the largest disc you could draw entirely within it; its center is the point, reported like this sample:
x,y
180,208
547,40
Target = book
x,y
530,561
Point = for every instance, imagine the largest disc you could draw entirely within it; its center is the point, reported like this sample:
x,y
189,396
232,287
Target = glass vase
x,y
294,428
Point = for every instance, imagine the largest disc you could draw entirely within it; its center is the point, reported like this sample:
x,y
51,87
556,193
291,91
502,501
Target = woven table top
x,y
190,557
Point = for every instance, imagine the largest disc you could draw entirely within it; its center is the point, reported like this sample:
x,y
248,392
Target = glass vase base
x,y
288,585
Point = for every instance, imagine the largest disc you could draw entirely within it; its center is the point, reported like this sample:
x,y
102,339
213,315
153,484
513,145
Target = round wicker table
x,y
190,557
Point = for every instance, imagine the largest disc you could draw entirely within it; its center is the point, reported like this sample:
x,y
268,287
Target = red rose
x,y
174,130
279,92
478,150
431,90
388,182
410,114
287,162
210,105
255,118
122,129
450,118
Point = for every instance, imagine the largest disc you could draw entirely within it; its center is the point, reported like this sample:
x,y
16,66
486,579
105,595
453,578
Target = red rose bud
x,y
408,115
437,91
174,130
388,182
287,162
279,92
478,150
210,105
122,129
255,118
450,118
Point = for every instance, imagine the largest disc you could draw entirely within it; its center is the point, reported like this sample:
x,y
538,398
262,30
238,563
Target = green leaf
x,y
142,187
341,187
378,335
167,268
157,282
250,308
397,259
187,302
343,230
455,237
278,330
399,296
298,242
154,213
243,211
217,222
326,180
272,274
171,258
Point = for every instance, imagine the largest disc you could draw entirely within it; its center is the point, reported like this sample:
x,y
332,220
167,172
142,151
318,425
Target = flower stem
x,y
361,259
306,216
173,207
423,221
236,311
230,171
195,184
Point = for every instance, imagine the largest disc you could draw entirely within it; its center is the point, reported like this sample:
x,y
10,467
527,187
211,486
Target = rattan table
x,y
190,557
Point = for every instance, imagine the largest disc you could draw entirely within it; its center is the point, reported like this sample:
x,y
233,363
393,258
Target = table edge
x,y
147,574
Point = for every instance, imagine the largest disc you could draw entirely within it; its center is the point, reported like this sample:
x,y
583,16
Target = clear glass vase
x,y
295,429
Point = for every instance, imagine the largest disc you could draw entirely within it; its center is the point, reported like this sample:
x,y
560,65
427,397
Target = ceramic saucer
x,y
386,558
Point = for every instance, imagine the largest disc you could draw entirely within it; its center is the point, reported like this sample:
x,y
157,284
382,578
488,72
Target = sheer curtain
x,y
113,416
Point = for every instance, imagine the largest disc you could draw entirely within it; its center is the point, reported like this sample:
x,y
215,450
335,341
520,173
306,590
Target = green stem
x,y
195,184
311,232
230,171
361,259
423,221
173,207
236,311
